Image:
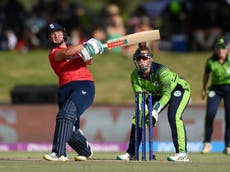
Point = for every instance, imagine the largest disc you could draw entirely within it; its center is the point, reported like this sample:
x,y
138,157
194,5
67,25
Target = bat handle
x,y
105,45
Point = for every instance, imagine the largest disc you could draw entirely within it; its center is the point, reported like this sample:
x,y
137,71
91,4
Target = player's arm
x,y
205,79
168,81
204,84
206,75
136,85
134,81
67,52
86,51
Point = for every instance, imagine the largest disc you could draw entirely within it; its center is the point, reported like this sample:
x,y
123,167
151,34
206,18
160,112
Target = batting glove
x,y
85,55
96,46
91,47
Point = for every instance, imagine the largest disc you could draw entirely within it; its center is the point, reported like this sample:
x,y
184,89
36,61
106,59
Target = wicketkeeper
x,y
168,89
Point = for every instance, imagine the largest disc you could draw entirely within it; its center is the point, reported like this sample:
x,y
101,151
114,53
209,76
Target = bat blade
x,y
133,39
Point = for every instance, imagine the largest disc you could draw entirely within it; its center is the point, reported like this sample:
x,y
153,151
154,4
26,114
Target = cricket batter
x,y
167,89
218,65
76,91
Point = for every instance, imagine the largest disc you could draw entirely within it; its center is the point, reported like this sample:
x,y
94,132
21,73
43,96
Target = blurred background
x,y
188,28
192,24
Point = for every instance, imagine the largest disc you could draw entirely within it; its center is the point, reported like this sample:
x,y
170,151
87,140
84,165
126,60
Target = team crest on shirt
x,y
211,93
228,70
177,93
156,84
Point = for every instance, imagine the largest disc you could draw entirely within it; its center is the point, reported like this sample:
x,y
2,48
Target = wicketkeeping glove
x,y
155,112
155,117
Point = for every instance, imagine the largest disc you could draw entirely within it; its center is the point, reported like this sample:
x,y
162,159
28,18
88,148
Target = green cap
x,y
221,43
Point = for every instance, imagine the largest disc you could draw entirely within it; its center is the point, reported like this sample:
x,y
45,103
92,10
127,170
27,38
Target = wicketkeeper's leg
x,y
131,147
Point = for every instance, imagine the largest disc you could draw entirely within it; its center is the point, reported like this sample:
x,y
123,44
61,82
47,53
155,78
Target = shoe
x,y
179,157
126,157
207,148
82,157
53,157
227,151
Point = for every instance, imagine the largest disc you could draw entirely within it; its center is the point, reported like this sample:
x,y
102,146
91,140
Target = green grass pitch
x,y
106,162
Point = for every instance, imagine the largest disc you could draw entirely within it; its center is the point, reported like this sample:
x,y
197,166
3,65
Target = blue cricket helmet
x,y
52,27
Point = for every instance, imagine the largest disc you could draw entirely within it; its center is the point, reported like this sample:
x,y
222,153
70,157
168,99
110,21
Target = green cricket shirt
x,y
220,72
161,82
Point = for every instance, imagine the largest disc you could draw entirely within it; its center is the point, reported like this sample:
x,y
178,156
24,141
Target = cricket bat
x,y
133,39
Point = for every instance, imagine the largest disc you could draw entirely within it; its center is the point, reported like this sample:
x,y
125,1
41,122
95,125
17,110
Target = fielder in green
x,y
217,70
168,89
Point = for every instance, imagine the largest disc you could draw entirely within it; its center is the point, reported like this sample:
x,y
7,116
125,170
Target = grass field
x,y
105,162
111,73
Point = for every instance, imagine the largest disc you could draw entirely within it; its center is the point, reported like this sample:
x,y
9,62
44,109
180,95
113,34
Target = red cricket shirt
x,y
69,69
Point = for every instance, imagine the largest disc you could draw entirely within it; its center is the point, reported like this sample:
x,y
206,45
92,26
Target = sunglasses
x,y
142,58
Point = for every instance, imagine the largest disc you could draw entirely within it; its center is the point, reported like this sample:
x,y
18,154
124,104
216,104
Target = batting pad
x,y
63,132
80,144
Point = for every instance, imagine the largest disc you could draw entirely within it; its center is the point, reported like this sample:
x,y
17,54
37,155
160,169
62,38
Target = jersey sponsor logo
x,y
177,93
211,93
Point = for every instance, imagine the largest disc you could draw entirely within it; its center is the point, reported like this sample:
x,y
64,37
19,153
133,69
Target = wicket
x,y
140,99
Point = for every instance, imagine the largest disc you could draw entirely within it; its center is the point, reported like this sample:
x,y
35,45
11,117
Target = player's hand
x,y
96,46
203,94
91,47
85,55
157,107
